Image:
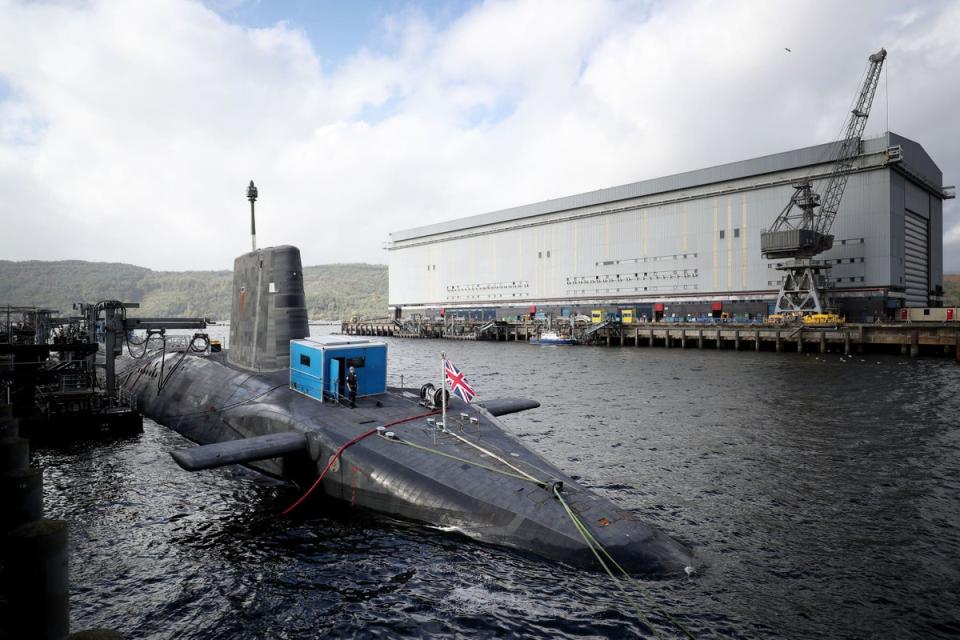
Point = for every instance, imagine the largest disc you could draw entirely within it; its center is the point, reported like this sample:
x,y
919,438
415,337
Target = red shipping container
x,y
658,306
717,306
904,314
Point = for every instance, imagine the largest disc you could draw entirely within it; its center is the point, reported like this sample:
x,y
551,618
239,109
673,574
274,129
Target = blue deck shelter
x,y
318,366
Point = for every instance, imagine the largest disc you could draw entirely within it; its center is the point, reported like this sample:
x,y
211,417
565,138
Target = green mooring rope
x,y
594,546
599,552
471,462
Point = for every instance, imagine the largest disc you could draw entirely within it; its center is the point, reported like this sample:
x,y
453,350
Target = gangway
x,y
594,328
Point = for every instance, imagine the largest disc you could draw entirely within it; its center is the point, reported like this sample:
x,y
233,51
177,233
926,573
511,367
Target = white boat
x,y
551,337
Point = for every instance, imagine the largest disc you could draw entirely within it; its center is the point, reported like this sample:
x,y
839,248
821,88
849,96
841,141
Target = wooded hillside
x,y
334,291
951,290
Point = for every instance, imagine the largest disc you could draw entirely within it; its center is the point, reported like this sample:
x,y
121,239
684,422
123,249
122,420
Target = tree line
x,y
333,291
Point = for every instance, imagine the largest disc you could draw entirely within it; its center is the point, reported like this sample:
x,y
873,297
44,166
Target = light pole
x,y
252,197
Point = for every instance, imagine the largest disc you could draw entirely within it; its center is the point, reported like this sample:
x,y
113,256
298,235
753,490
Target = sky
x,y
129,130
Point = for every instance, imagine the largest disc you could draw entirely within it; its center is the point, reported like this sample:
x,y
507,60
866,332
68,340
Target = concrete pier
x,y
909,338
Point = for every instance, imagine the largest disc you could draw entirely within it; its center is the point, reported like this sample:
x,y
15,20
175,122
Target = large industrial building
x,y
686,245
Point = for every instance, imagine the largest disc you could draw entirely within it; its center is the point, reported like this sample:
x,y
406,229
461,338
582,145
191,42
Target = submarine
x,y
273,401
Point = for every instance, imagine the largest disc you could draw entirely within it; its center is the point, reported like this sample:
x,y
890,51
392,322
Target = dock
x,y
906,338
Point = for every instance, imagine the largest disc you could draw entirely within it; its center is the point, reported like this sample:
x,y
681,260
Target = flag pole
x,y
443,386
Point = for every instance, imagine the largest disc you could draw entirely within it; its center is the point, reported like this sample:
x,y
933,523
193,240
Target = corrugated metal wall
x,y
698,243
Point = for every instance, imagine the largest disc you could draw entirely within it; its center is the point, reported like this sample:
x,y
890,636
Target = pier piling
x,y
21,497
36,580
912,338
14,453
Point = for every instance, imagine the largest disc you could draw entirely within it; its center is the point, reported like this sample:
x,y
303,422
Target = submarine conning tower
x,y
269,308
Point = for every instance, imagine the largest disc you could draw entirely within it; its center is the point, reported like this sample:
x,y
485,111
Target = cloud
x,y
130,130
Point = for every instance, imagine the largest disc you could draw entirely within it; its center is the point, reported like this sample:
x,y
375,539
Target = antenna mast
x,y
252,197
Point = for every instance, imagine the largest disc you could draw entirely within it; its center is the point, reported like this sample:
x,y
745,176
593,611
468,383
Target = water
x,y
821,493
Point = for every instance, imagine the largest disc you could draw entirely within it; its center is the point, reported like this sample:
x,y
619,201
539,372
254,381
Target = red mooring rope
x,y
344,447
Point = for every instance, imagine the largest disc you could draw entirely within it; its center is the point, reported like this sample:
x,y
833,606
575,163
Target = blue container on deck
x,y
318,366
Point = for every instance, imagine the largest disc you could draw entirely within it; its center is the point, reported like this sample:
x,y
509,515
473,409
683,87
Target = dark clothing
x,y
352,388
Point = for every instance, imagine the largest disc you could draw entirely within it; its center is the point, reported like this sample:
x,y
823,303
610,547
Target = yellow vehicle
x,y
626,316
596,316
785,318
823,318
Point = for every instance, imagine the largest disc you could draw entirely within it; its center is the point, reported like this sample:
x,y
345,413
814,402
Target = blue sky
x,y
338,29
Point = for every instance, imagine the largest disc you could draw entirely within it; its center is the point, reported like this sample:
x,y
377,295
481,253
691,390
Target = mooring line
x,y
343,447
594,545
471,462
495,457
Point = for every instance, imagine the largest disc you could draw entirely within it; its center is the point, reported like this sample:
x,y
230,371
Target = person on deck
x,y
352,387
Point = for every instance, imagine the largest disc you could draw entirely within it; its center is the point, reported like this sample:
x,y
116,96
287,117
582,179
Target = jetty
x,y
906,338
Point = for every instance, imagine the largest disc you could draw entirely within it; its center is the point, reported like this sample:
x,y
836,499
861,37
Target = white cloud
x,y
132,128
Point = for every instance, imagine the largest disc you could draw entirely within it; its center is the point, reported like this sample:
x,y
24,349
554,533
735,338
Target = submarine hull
x,y
474,478
471,476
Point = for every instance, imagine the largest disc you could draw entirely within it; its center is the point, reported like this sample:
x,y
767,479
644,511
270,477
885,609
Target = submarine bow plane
x,y
273,402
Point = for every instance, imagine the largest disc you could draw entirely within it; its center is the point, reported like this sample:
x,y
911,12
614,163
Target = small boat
x,y
552,337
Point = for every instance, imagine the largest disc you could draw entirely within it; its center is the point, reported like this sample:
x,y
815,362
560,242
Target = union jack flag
x,y
458,383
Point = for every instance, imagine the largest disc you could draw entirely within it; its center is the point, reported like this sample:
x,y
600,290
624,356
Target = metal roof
x,y
337,341
914,155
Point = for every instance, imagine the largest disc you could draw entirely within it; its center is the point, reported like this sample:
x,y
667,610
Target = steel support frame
x,y
803,290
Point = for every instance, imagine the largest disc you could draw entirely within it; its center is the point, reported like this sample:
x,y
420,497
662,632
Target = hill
x,y
334,291
951,290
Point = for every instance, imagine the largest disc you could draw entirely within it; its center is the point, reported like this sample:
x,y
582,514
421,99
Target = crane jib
x,y
802,230
813,213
